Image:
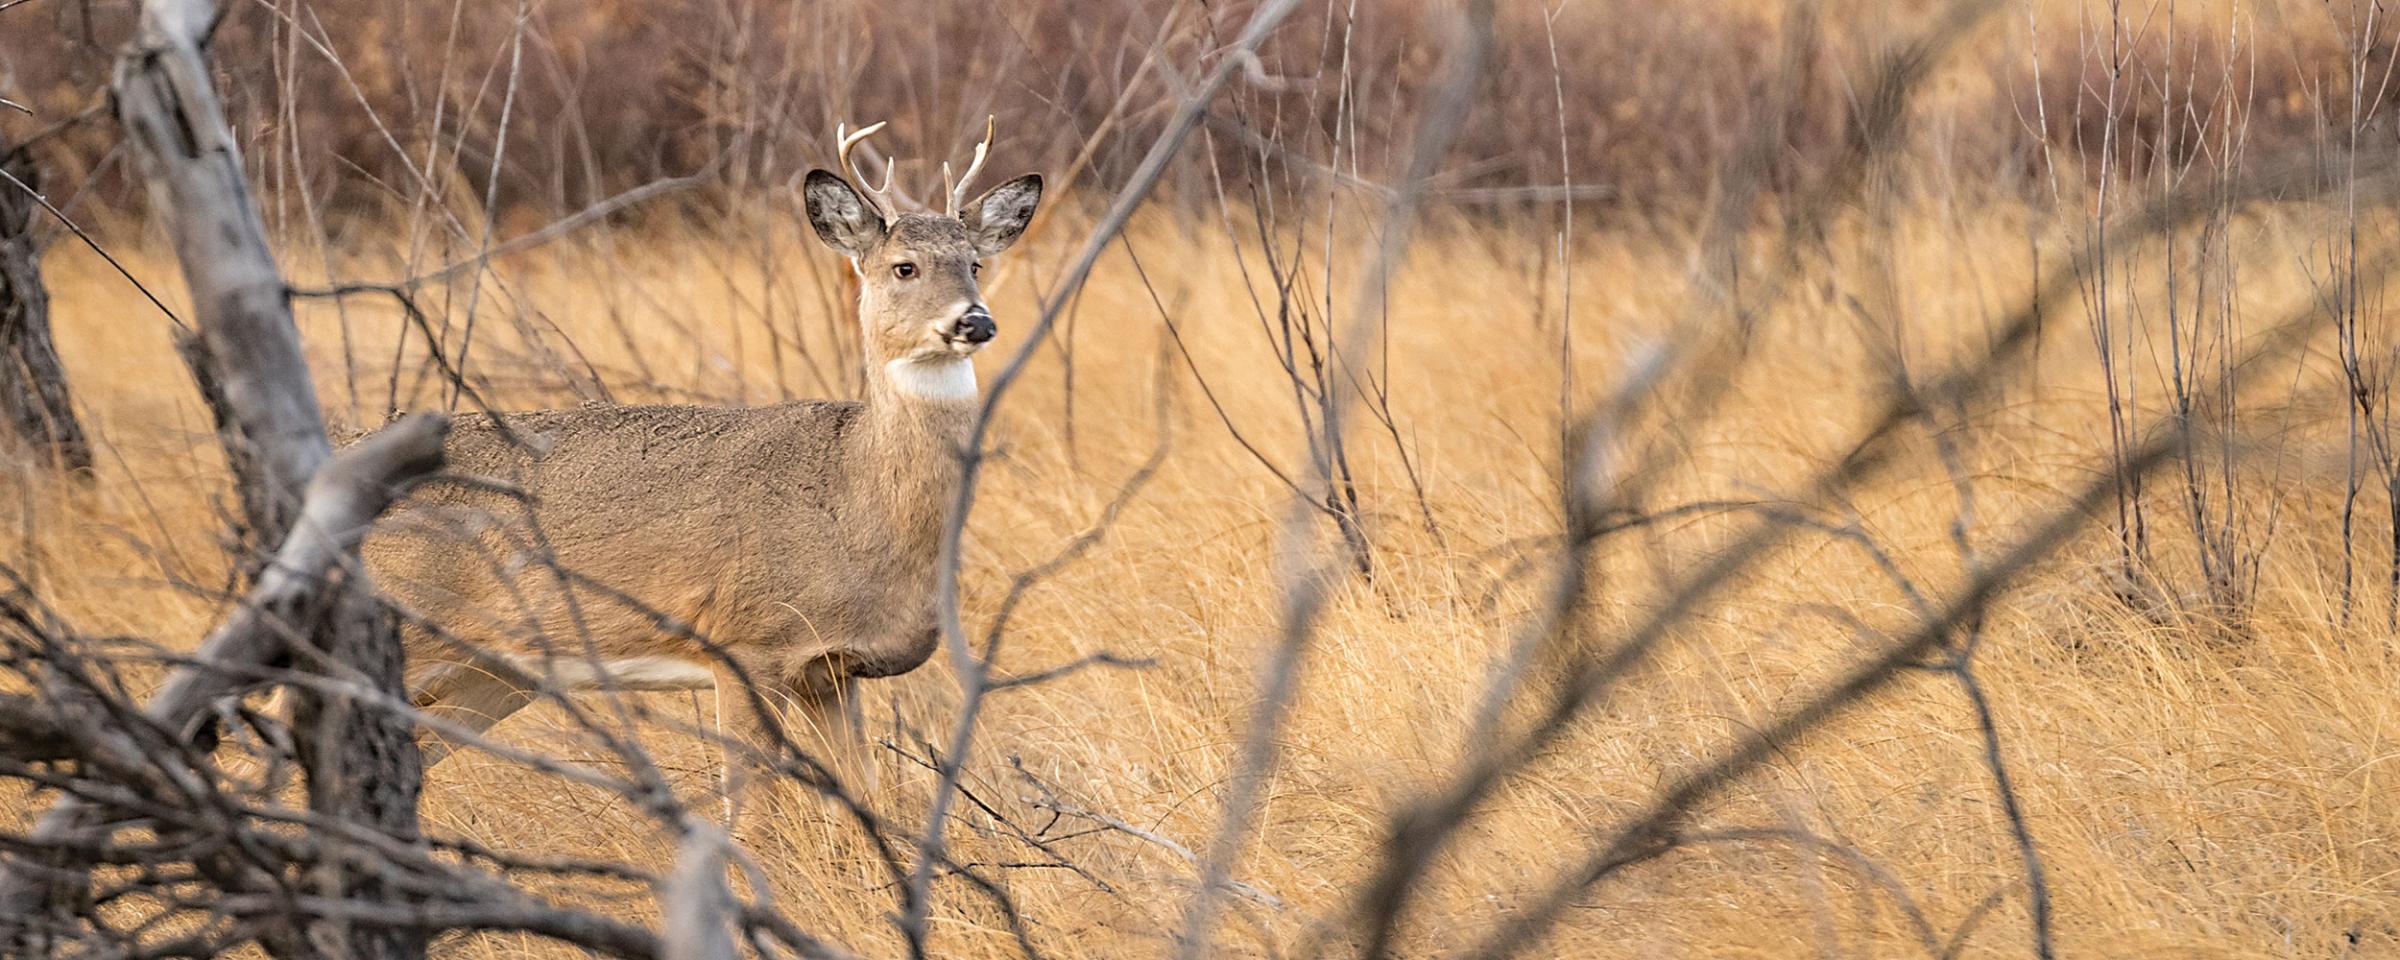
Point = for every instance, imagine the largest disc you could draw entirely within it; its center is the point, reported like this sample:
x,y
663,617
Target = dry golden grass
x,y
2198,788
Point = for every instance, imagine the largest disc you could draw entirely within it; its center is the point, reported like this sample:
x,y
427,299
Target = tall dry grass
x,y
2196,759
2199,785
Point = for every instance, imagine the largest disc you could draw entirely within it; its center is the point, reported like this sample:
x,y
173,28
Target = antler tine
x,y
958,191
849,139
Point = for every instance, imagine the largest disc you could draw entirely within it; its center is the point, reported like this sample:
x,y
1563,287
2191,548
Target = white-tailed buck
x,y
799,539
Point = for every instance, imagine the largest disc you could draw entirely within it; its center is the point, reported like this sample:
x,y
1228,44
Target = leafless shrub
x,y
361,108
1325,136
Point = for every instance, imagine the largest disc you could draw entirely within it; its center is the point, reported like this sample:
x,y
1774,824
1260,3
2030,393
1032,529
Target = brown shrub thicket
x,y
377,103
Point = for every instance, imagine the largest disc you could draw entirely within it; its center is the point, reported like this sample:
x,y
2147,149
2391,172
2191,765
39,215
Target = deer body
x,y
798,540
798,537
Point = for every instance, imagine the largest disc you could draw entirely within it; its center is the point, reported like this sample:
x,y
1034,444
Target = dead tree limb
x,y
343,501
361,765
245,345
36,413
698,904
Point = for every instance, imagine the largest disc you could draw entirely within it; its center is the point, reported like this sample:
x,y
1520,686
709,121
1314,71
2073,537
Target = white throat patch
x,y
946,379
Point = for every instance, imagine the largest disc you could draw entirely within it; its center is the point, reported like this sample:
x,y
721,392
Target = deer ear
x,y
998,218
842,219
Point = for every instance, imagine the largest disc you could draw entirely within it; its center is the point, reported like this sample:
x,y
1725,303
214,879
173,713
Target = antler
x,y
958,190
886,200
849,139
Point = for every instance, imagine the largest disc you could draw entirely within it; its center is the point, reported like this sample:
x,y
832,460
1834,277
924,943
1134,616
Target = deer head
x,y
919,304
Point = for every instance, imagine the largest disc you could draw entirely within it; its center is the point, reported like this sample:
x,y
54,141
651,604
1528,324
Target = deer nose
x,y
975,326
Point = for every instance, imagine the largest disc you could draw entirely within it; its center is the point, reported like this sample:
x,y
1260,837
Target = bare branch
x,y
699,907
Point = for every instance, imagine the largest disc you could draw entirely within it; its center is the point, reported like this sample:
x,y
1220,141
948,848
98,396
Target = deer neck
x,y
917,420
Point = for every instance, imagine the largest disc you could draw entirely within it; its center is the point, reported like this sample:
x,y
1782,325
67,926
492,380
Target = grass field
x,y
2201,780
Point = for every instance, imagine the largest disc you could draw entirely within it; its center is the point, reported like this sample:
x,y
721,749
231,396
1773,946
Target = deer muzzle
x,y
974,326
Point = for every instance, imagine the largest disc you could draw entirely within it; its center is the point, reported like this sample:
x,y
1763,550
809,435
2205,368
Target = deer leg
x,y
473,696
751,705
840,724
817,714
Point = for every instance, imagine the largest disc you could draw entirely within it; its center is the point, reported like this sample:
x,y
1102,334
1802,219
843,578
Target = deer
x,y
788,549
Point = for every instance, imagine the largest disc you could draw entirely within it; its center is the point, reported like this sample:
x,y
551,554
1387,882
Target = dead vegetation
x,y
1909,535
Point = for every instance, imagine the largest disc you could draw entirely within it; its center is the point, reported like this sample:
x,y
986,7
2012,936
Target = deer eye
x,y
904,270
978,269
